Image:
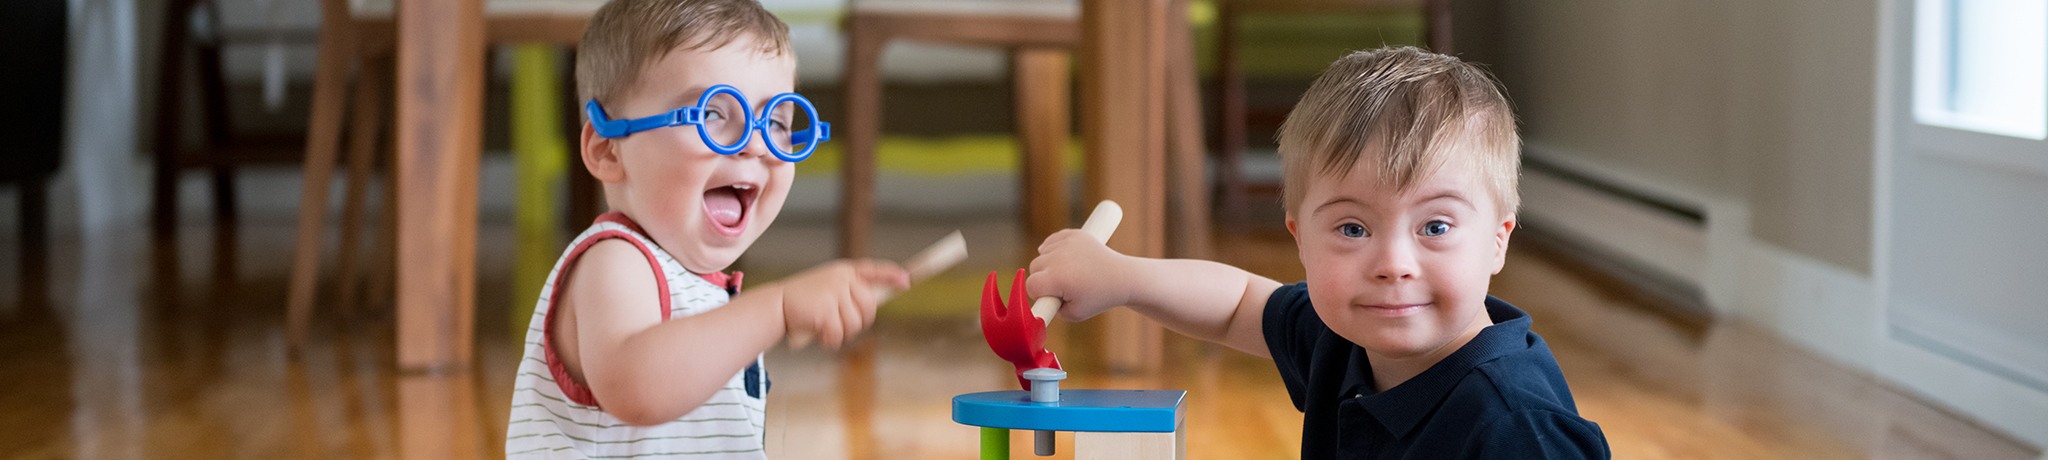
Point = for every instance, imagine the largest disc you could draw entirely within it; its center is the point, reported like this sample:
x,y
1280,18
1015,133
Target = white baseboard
x,y
2014,410
2019,411
1826,309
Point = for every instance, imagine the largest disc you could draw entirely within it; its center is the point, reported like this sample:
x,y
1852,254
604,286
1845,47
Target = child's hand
x,y
1079,269
836,301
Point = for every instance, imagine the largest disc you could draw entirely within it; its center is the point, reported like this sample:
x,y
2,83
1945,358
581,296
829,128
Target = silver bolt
x,y
1045,388
1045,384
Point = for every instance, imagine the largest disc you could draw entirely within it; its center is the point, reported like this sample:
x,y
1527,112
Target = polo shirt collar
x,y
1403,407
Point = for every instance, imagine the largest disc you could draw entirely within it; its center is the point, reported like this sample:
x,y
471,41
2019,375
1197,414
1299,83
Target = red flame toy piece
x,y
1012,332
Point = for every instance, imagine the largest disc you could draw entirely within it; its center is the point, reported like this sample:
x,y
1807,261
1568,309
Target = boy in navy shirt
x,y
1400,172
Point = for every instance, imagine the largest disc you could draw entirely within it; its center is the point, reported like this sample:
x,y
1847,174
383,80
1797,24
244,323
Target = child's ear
x,y
601,157
1292,232
1500,244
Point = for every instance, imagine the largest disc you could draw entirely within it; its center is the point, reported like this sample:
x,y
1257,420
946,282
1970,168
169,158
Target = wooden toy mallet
x,y
931,261
1020,338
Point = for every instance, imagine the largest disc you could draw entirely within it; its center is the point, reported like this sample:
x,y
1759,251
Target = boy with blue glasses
x,y
639,345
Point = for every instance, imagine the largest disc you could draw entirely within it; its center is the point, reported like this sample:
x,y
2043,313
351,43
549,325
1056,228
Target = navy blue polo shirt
x,y
1499,396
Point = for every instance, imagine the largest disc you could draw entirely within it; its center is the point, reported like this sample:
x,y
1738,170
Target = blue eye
x,y
1435,228
1351,230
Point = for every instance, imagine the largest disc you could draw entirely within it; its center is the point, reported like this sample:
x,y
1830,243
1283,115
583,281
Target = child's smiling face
x,y
701,207
1402,273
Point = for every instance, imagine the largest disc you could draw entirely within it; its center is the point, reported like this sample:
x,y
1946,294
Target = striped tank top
x,y
556,417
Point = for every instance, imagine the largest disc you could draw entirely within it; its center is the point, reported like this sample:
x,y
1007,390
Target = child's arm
x,y
646,371
1202,299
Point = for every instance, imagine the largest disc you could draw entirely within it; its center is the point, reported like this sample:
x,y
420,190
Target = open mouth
x,y
728,207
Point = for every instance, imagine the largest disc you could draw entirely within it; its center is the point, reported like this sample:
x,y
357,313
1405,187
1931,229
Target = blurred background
x,y
1751,228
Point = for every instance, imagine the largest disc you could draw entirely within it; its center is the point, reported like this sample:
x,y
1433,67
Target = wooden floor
x,y
122,347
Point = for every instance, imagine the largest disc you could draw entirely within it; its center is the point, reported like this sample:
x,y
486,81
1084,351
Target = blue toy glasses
x,y
726,123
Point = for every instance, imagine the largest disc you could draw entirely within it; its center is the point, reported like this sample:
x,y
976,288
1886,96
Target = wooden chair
x,y
191,44
1233,116
1040,36
358,36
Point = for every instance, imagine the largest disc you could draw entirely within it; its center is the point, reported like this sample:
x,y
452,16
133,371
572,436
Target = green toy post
x,y
995,443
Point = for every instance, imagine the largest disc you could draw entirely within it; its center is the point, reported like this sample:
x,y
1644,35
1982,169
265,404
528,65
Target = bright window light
x,y
1982,65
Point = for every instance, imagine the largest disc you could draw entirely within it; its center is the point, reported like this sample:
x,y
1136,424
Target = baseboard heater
x,y
1625,275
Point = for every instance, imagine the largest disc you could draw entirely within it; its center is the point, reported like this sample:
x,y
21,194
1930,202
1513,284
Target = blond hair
x,y
626,35
1414,112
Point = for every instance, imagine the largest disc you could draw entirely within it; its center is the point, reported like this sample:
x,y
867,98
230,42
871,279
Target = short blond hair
x,y
625,36
1415,110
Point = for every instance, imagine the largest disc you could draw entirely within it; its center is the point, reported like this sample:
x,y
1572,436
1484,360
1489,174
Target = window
x,y
1982,65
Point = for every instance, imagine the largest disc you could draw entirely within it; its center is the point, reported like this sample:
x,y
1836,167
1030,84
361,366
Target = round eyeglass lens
x,y
790,126
725,119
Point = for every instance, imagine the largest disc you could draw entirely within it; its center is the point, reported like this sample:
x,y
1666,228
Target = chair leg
x,y
169,112
363,130
323,135
1189,176
164,183
584,195
224,211
1230,119
35,244
35,239
214,99
386,249
1042,91
863,131
585,198
1438,13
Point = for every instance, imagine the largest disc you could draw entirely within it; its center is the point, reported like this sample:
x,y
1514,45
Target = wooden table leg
x,y
1123,106
863,132
1043,131
440,89
1189,188
438,419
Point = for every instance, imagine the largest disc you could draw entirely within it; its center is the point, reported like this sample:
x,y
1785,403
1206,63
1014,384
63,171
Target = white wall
x,y
1764,103
1635,86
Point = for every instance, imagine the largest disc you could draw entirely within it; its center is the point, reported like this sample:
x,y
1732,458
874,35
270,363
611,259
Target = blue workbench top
x,y
1123,411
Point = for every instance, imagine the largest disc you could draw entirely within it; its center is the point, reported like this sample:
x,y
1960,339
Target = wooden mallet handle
x,y
938,257
1101,223
931,261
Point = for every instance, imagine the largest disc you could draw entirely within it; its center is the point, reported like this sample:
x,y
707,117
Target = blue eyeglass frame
x,y
694,115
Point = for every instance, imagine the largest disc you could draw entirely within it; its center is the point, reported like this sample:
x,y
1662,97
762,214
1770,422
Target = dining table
x,y
439,139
